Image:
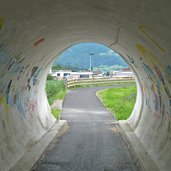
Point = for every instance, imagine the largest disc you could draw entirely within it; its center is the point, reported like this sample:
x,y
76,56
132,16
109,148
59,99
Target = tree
x,y
107,73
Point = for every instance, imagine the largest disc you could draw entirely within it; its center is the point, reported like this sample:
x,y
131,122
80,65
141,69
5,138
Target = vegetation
x,y
55,90
59,67
49,77
56,113
120,101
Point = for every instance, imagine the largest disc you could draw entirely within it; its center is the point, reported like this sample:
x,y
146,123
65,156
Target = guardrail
x,y
98,81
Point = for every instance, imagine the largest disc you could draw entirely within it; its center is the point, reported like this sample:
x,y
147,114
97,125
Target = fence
x,y
82,82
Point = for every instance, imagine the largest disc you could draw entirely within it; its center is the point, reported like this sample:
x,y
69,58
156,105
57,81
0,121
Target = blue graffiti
x,y
156,103
20,106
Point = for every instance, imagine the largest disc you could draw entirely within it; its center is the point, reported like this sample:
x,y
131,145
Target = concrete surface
x,y
137,148
93,141
28,160
33,33
57,104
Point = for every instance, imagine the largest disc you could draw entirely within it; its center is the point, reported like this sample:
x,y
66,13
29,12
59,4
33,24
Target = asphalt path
x,y
93,142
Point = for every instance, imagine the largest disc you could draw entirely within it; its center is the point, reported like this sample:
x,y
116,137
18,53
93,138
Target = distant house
x,y
70,75
60,74
76,75
97,73
126,72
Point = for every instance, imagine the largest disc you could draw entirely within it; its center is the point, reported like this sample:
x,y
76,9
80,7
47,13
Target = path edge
x,y
29,159
137,148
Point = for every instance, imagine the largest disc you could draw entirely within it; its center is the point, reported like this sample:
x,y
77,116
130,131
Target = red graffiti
x,y
1,99
31,105
15,98
39,41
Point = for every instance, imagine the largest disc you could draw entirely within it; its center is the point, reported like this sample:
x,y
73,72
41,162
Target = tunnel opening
x,y
92,65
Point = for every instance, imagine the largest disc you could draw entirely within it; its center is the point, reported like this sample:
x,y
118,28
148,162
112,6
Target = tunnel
x,y
33,33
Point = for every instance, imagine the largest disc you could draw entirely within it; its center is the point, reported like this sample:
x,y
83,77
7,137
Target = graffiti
x,y
14,66
3,124
6,109
156,103
14,99
160,80
31,106
25,106
9,64
147,54
131,59
4,56
34,69
11,94
7,91
1,22
143,29
34,77
159,74
148,71
39,42
3,102
168,73
20,105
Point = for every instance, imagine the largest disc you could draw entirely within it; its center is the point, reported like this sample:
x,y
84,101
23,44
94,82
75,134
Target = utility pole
x,y
91,54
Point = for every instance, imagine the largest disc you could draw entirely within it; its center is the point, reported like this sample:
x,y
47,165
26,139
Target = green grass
x,y
56,113
120,101
55,90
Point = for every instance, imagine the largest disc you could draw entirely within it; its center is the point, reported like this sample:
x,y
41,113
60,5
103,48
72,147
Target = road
x,y
93,142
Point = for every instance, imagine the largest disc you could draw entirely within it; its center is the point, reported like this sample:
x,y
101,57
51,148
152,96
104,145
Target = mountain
x,y
78,56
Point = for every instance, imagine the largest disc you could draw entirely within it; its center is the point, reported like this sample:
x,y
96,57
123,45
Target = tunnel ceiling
x,y
33,33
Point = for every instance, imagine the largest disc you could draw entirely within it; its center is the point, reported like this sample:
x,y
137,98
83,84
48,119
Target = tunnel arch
x,y
136,113
33,32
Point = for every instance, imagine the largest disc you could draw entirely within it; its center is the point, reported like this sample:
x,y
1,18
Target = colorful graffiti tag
x,y
144,29
39,41
32,80
153,68
13,95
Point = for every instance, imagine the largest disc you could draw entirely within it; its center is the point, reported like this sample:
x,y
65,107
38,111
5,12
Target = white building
x,y
69,74
123,73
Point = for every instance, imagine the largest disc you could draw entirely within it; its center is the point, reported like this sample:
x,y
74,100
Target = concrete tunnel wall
x,y
33,33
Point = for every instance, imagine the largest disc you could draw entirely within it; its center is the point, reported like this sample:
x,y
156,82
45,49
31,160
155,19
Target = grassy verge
x,y
56,113
120,101
55,90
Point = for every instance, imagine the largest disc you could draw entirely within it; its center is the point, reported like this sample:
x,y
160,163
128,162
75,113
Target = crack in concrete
x,y
117,37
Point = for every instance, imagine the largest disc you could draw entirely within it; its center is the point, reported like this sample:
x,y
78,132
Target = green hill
x,y
78,56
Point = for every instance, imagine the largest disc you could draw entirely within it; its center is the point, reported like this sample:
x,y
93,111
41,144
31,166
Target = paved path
x,y
93,142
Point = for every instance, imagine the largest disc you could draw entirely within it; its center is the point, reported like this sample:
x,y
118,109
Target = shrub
x,y
49,77
55,90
